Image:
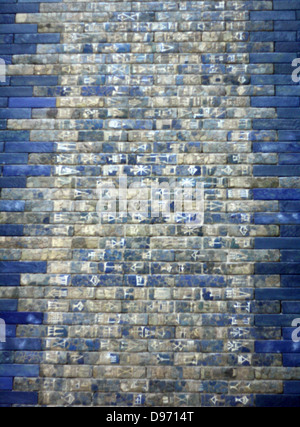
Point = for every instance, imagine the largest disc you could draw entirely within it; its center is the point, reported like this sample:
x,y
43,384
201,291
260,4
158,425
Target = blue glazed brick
x,y
3,102
23,267
14,135
276,194
290,281
274,320
286,26
266,58
277,218
11,230
288,91
277,243
277,401
218,320
155,280
11,331
6,38
290,230
283,5
288,113
291,307
18,397
269,79
6,383
105,280
20,318
18,28
20,8
277,294
272,15
7,19
38,1
13,159
24,344
266,170
270,36
8,305
12,183
289,360
29,371
10,279
52,38
286,47
288,135
20,91
277,268
34,80
291,387
284,69
289,159
290,256
89,124
277,347
200,281
274,101
39,170
17,49
15,113
29,147
12,205
32,103
6,357
283,124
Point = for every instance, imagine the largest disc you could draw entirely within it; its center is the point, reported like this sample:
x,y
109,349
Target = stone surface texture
x,y
134,310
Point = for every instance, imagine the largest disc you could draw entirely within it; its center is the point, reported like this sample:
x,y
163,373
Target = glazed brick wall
x,y
139,311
